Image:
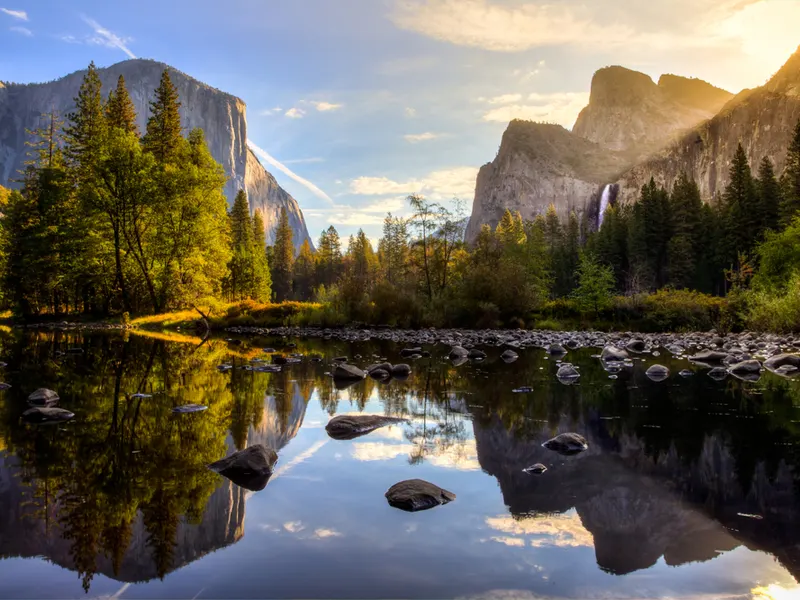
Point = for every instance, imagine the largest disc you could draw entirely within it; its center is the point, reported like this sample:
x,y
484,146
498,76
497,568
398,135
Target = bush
x,y
676,310
776,312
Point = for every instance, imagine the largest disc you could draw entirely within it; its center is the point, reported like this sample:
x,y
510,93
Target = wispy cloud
x,y
264,155
69,39
304,161
107,38
410,112
503,99
324,106
22,30
414,138
295,113
17,14
560,107
458,182
268,112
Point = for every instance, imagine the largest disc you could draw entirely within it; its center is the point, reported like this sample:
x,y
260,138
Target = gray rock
x,y
415,494
718,373
189,408
536,469
567,444
709,356
250,468
346,372
43,397
45,414
657,373
686,373
556,349
509,356
475,354
612,353
745,367
636,346
566,372
781,360
380,374
401,371
348,427
458,352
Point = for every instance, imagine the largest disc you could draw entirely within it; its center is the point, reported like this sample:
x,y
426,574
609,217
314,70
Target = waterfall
x,y
604,200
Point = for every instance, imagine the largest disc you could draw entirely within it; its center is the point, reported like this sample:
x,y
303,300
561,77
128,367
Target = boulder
x,y
250,468
384,366
686,373
348,427
781,360
408,352
612,353
709,356
46,414
657,373
401,371
43,397
567,444
556,349
415,494
745,367
718,373
475,354
458,352
567,372
635,346
380,374
509,356
346,372
536,469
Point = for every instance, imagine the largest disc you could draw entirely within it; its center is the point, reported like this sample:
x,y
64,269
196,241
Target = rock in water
x,y
612,353
657,373
44,414
415,494
567,444
475,354
401,371
567,373
250,468
709,357
457,352
536,469
43,397
346,372
781,360
636,346
746,367
718,373
509,356
556,349
189,408
4,386
348,427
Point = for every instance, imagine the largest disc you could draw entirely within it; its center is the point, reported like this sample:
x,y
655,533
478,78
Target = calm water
x,y
689,487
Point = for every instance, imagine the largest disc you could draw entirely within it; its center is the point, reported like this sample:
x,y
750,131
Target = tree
x,y
262,278
743,217
163,136
393,249
790,203
85,135
303,273
595,285
424,220
241,268
282,259
120,111
329,258
685,246
769,196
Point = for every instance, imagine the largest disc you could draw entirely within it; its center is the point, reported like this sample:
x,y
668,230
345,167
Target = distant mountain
x,y
221,115
629,113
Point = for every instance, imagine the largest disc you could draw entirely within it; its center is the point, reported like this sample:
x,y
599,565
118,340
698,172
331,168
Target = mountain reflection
x,y
674,471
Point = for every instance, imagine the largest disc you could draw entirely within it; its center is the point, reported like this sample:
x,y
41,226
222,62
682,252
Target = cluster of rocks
x,y
44,410
76,326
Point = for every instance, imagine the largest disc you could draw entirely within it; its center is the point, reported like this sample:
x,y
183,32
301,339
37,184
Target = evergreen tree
x,y
610,243
262,278
163,136
303,272
120,111
241,281
393,249
85,134
790,203
769,196
743,217
595,284
684,248
282,259
329,258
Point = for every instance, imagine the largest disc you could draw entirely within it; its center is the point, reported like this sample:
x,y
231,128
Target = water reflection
x,y
678,472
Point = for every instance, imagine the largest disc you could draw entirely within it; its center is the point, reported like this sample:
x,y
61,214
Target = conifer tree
x,y
742,211
282,259
85,134
241,269
393,249
120,111
769,196
684,248
303,273
163,136
790,203
329,257
262,278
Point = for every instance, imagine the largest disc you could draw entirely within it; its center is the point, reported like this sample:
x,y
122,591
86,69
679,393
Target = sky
x,y
355,104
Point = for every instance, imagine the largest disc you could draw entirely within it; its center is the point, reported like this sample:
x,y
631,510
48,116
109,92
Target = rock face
x,y
762,119
537,165
629,113
221,116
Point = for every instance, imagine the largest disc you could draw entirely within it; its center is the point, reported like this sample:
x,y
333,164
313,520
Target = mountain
x,y
628,112
221,115
762,119
539,164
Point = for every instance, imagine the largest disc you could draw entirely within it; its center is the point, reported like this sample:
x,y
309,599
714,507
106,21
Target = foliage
x,y
595,285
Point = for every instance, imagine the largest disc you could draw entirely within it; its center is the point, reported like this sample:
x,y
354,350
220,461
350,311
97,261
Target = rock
x,y
415,494
536,469
348,427
476,354
567,444
458,352
380,374
781,360
279,359
345,372
509,356
43,397
718,373
525,389
567,373
189,408
250,468
611,353
408,352
636,346
785,370
45,414
657,373
745,367
401,371
709,357
4,386
384,366
556,349
686,373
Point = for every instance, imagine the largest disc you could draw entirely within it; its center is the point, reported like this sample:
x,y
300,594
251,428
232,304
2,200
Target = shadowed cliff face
x,y
221,116
637,508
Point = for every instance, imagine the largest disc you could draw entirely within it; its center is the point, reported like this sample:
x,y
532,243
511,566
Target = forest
x,y
111,222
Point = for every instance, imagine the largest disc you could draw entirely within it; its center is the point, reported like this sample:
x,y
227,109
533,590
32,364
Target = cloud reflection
x,y
564,530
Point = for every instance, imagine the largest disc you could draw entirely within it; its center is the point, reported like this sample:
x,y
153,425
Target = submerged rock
x,y
686,373
415,494
657,373
745,367
44,414
348,427
567,373
509,356
346,372
189,408
613,354
536,469
567,444
43,397
458,352
709,356
401,371
250,468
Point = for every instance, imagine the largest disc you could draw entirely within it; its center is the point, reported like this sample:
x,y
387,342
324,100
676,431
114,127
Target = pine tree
x,y
329,257
303,272
283,259
120,111
769,196
595,284
262,278
684,248
45,143
790,204
241,278
163,136
85,134
393,249
742,215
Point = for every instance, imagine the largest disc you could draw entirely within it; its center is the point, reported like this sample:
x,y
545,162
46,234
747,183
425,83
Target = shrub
x,y
776,312
680,310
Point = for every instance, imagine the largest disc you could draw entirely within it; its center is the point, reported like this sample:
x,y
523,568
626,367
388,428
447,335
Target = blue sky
x,y
366,101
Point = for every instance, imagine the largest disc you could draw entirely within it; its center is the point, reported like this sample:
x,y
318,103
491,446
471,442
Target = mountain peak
x,y
620,86
787,79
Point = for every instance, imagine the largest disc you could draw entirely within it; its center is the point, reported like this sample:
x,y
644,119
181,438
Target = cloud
x,y
410,112
354,219
325,106
70,39
324,532
17,14
22,30
104,37
295,113
303,161
288,172
413,138
560,107
504,99
268,112
457,182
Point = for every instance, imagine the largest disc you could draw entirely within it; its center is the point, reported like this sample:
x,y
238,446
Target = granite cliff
x,y
221,115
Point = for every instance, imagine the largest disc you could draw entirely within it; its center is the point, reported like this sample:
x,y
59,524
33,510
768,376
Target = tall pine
x,y
790,204
120,111
85,134
282,259
163,136
743,216
262,278
241,269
